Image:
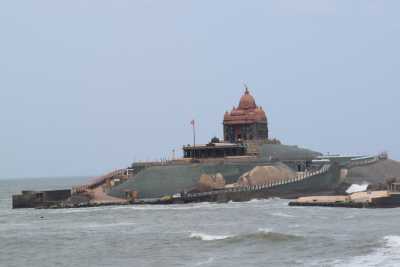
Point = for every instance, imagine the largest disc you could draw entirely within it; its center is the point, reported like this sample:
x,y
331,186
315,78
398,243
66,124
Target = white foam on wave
x,y
281,214
393,241
354,188
207,237
257,201
265,230
203,205
210,260
106,225
386,256
84,210
262,234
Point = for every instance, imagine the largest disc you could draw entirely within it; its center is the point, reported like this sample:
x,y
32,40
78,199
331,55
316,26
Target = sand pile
x,y
210,182
263,174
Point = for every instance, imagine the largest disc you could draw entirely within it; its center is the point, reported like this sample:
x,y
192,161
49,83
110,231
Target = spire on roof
x,y
246,87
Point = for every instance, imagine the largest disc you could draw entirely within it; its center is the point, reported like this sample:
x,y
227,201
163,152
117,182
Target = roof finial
x,y
246,87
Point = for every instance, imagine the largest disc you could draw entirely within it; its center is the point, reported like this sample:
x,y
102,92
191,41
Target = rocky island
x,y
246,164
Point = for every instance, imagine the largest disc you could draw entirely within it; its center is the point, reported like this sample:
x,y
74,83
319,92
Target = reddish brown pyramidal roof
x,y
247,112
247,101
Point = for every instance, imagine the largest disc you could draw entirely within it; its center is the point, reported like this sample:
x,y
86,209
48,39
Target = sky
x,y
87,87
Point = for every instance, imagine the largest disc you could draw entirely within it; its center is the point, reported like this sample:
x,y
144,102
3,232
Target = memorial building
x,y
245,129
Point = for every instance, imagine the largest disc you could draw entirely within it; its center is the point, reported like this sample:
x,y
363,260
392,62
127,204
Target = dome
x,y
247,101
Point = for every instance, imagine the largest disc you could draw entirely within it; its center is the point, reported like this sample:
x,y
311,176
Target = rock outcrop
x,y
374,173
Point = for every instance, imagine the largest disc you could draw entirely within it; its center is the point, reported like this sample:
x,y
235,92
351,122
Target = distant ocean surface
x,y
255,233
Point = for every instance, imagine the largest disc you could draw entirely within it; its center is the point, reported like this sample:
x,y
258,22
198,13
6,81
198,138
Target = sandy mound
x,y
210,182
263,174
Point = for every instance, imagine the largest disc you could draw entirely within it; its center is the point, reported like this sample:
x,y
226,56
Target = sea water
x,y
254,233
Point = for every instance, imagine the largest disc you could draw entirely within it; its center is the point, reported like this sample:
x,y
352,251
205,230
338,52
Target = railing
x,y
367,161
268,185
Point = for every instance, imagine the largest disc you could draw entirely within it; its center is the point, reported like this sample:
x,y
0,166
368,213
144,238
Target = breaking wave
x,y
210,260
387,255
255,200
261,234
106,225
206,237
354,188
273,236
202,205
281,214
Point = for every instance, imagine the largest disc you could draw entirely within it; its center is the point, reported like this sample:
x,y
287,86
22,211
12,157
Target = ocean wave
x,y
256,201
106,225
83,210
267,234
393,241
203,205
388,255
210,260
261,234
281,214
207,237
264,200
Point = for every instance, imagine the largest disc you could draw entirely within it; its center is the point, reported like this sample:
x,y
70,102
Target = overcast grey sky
x,y
90,86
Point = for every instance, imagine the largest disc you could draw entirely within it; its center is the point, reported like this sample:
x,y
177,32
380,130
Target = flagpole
x,y
194,138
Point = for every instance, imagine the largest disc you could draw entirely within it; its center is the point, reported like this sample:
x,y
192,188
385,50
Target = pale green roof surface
x,y
159,181
285,152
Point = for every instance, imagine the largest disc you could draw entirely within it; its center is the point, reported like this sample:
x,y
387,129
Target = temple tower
x,y
247,123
